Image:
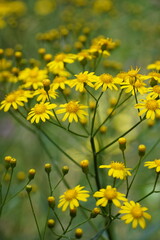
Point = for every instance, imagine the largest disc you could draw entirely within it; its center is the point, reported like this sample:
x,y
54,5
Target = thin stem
x,y
153,191
116,106
95,162
59,182
136,100
90,94
79,224
6,195
34,215
45,227
140,160
124,160
89,182
70,222
122,135
50,185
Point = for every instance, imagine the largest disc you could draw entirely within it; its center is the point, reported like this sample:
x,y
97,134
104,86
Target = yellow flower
x,y
106,81
117,170
43,96
155,76
84,55
73,110
153,164
41,111
109,195
33,77
134,213
151,107
83,79
59,82
13,100
58,64
72,197
155,91
155,65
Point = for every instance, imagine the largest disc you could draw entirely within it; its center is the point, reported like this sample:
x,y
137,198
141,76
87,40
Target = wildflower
x,y
59,82
33,77
82,79
72,197
134,213
117,170
153,164
141,150
155,65
12,100
58,64
41,111
73,110
122,143
109,195
43,95
155,91
106,81
154,76
151,107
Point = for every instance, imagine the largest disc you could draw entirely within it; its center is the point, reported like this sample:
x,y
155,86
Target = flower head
x,y
82,79
155,65
73,110
153,164
155,91
151,107
72,197
41,111
117,170
106,81
14,100
134,213
109,195
43,96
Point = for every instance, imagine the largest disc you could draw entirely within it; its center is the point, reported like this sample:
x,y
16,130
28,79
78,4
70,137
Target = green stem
x,y
153,191
70,222
95,163
89,182
116,106
34,215
50,185
122,135
136,101
140,160
6,195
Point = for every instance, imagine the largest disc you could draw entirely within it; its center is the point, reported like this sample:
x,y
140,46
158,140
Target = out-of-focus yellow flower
x,y
44,7
155,65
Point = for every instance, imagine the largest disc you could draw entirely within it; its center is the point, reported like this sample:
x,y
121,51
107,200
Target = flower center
x,y
152,105
60,57
133,73
70,194
39,109
106,78
156,89
110,194
157,161
59,79
117,166
138,84
72,107
82,77
136,212
33,74
11,98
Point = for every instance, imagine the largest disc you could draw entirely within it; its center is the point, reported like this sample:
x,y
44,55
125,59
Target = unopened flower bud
x,y
73,212
13,162
122,143
7,160
47,57
51,223
141,150
46,84
31,174
95,212
84,165
103,129
41,51
18,55
65,170
28,188
78,233
48,167
51,201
